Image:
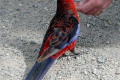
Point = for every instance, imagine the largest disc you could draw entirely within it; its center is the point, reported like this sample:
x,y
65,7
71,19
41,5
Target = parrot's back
x,y
63,30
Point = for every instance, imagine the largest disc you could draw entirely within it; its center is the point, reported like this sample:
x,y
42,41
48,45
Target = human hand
x,y
92,7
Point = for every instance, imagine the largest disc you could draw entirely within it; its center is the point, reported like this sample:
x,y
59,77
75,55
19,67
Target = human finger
x,y
79,4
102,8
86,7
107,3
92,11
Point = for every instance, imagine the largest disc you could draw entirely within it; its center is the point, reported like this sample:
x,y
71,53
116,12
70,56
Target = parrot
x,y
60,37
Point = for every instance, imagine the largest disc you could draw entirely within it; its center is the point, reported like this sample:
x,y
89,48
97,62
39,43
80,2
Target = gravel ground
x,y
22,27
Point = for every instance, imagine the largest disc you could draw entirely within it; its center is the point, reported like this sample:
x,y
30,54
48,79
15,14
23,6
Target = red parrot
x,y
60,37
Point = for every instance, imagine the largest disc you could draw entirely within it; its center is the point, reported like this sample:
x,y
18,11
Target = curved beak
x,y
40,69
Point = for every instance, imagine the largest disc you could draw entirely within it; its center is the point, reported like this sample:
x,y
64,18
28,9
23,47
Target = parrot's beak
x,y
40,69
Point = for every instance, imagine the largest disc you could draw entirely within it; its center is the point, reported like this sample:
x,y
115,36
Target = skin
x,y
92,7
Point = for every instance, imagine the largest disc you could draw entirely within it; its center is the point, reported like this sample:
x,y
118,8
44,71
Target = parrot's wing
x,y
59,39
65,34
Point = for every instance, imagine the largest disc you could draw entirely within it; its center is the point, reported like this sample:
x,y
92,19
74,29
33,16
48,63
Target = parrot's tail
x,y
40,69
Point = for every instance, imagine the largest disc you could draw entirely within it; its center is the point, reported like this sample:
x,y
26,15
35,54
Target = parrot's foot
x,y
74,52
64,55
73,55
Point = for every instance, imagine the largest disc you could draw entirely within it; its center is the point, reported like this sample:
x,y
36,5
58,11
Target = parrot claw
x,y
74,52
64,55
73,55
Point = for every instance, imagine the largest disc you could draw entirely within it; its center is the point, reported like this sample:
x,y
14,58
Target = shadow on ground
x,y
30,52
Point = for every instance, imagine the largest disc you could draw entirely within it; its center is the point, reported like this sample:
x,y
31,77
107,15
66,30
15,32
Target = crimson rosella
x,y
60,37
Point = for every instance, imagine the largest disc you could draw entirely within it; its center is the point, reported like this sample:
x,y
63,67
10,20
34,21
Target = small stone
x,y
39,0
85,72
52,14
3,27
6,45
101,59
17,9
59,72
46,8
119,29
20,4
118,71
77,57
68,58
107,42
93,23
32,43
48,22
94,71
106,24
51,78
88,25
4,35
119,23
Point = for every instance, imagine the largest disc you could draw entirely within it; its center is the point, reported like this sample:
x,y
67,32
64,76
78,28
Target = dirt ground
x,y
23,24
